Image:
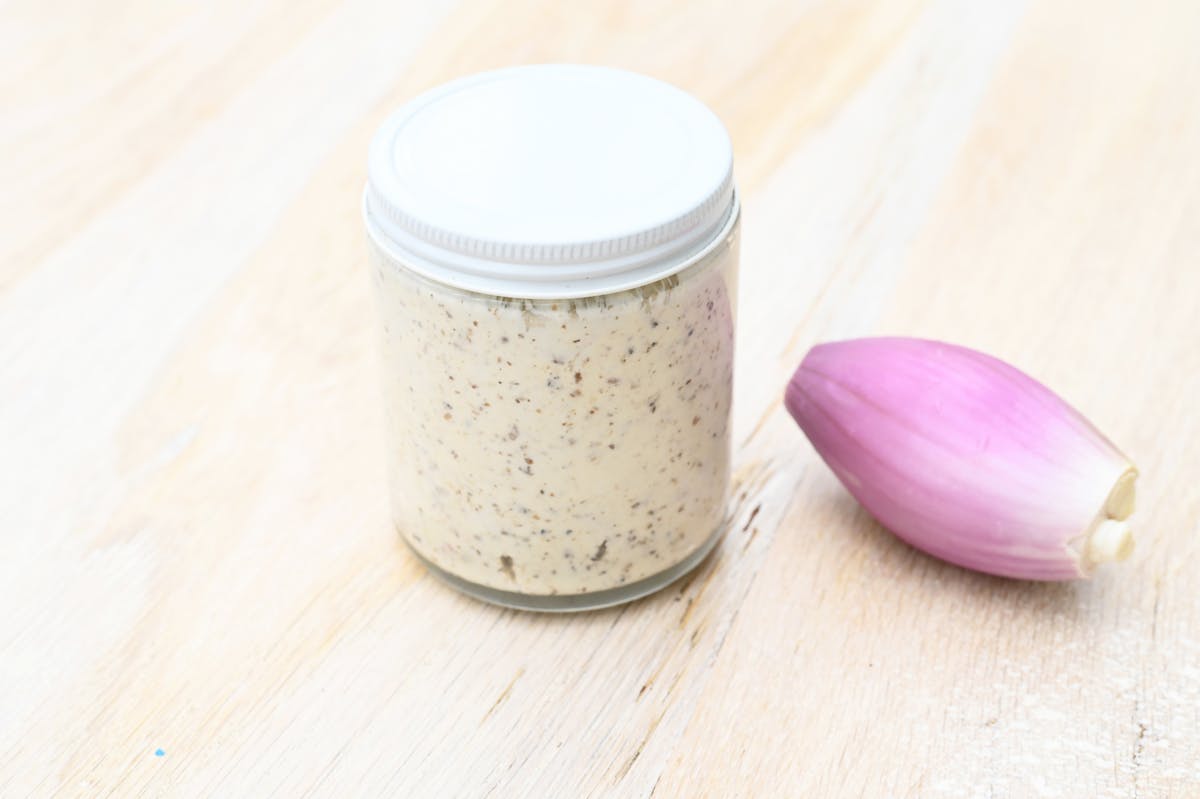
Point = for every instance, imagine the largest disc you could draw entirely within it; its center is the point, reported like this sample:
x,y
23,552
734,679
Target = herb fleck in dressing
x,y
559,446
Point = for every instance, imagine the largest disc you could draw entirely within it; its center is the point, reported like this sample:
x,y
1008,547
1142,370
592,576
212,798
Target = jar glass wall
x,y
560,454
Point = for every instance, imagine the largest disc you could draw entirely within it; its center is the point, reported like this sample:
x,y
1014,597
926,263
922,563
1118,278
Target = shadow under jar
x,y
554,250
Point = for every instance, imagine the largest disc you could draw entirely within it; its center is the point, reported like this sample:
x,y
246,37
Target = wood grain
x,y
197,555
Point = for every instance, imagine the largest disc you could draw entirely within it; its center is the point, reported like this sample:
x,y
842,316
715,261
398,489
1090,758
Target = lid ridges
x,y
708,212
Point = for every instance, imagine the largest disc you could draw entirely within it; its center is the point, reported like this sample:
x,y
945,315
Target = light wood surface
x,y
196,555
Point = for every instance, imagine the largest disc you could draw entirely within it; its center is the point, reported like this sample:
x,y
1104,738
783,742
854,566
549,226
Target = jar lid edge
x,y
441,190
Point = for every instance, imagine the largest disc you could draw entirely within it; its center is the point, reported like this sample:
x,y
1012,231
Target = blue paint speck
x,y
159,752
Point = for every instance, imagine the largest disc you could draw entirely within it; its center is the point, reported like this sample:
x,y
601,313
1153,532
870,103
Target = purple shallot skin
x,y
966,457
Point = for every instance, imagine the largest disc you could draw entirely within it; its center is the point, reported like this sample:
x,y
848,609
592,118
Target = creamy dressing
x,y
559,446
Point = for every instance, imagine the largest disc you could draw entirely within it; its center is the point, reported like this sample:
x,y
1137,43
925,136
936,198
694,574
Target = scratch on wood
x,y
916,787
503,694
750,539
710,573
652,679
687,611
687,582
752,476
675,682
1138,748
638,752
747,476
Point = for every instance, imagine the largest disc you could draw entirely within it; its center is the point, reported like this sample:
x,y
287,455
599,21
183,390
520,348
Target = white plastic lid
x,y
550,181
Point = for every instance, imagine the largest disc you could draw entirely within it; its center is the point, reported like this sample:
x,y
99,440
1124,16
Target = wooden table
x,y
202,593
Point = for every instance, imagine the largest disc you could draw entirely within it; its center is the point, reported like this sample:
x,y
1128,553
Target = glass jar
x,y
554,250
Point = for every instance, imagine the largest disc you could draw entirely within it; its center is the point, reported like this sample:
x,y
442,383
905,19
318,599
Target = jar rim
x,y
550,181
